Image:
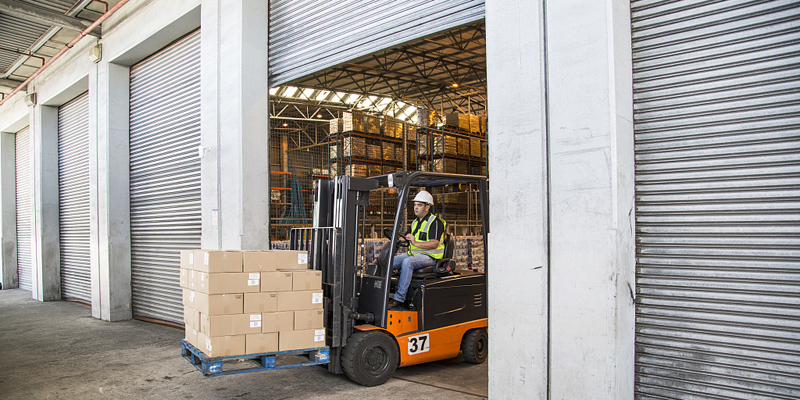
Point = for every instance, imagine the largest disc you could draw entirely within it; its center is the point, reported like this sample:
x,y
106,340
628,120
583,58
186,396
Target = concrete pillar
x,y
46,268
234,124
110,191
517,243
9,279
578,56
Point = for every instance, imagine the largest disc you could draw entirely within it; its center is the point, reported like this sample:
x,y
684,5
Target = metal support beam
x,y
43,16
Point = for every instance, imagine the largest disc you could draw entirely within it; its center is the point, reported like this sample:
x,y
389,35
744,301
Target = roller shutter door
x,y
717,136
24,187
73,199
306,36
165,175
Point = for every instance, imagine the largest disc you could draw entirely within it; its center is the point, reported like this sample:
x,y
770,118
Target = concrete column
x,y
517,243
46,268
8,212
110,191
234,125
586,294
591,199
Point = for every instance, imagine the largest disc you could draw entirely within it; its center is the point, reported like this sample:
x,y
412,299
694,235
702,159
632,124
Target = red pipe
x,y
65,48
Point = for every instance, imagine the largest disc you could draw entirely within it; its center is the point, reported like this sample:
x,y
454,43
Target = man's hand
x,y
410,238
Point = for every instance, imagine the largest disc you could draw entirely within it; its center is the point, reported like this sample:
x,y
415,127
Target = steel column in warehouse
x,y
73,199
164,175
24,188
347,30
717,110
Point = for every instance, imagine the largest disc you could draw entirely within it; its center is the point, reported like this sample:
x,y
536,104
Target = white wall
x,y
576,314
13,117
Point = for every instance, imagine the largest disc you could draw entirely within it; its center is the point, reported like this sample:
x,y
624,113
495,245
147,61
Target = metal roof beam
x,y
46,17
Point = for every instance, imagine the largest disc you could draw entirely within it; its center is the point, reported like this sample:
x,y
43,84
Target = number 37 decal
x,y
418,344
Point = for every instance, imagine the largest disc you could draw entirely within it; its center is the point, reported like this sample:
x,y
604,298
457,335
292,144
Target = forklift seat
x,y
445,266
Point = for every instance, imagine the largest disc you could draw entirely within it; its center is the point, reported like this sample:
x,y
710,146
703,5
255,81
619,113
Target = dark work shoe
x,y
395,304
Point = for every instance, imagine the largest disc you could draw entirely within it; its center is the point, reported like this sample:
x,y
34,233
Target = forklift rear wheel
x,y
475,346
370,358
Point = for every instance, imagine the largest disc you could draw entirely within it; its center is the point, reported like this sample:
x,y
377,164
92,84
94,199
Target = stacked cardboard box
x,y
458,120
445,165
336,126
372,125
393,128
475,147
333,151
352,121
446,144
463,146
251,302
388,151
475,124
426,117
374,151
374,170
353,147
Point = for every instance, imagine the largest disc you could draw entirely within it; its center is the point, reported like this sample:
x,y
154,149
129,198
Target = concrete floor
x,y
56,350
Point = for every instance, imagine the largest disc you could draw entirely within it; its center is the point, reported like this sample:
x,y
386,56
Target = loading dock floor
x,y
57,350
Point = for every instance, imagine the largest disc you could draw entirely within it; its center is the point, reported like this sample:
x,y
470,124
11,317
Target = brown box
x,y
187,278
258,261
260,302
289,259
306,280
279,281
257,343
191,335
215,304
187,259
297,340
235,282
191,317
221,346
227,325
305,300
217,261
277,321
308,319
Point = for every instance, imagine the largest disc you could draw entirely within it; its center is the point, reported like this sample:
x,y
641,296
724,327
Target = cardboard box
x,y
221,346
215,304
277,321
187,278
229,325
220,283
291,259
217,261
303,300
278,281
306,280
298,340
187,259
191,317
261,343
308,319
260,302
191,336
258,261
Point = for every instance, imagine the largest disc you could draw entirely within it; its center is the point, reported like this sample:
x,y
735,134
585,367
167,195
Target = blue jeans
x,y
408,264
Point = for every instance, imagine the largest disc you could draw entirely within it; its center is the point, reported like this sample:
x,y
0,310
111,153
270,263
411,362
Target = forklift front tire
x,y
370,358
475,346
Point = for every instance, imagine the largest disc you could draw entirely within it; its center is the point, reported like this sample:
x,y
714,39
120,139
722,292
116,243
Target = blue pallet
x,y
215,366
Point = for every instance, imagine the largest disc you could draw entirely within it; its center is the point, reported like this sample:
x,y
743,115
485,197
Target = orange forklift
x,y
445,310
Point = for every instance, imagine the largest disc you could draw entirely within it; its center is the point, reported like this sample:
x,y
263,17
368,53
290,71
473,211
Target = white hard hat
x,y
424,197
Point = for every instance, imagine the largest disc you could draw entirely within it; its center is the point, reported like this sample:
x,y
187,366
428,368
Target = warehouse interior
x,y
643,162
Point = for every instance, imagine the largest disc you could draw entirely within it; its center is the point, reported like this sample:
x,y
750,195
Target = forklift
x,y
445,310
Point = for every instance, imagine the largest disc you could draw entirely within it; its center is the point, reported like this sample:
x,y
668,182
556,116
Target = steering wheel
x,y
400,242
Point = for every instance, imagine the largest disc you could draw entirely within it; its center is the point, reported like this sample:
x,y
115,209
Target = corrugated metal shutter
x,y
73,199
717,136
24,186
306,36
165,175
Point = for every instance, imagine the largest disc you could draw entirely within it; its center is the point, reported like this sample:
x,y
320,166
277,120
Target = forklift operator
x,y
425,245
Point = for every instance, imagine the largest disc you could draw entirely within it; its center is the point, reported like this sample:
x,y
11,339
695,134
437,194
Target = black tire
x,y
475,346
370,358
